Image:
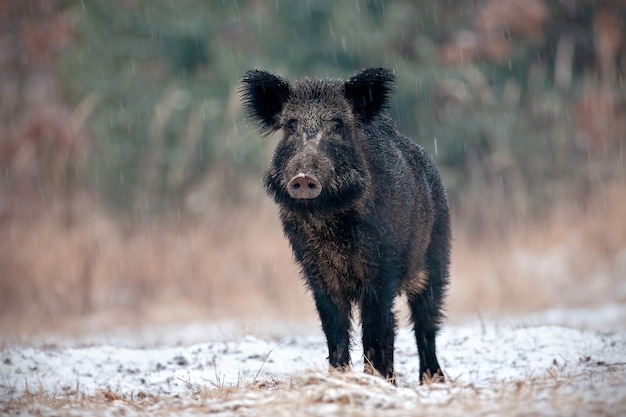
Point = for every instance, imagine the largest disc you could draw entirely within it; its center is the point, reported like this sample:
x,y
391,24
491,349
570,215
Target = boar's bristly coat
x,y
363,207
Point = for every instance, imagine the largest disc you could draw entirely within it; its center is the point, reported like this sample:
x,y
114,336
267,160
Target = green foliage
x,y
166,75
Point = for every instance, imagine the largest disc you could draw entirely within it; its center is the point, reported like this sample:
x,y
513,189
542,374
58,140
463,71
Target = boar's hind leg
x,y
379,325
426,310
427,306
336,321
425,324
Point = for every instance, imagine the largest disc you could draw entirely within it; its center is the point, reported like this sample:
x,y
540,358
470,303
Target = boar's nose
x,y
305,186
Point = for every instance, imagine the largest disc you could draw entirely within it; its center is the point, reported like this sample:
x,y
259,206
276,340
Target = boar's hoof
x,y
304,186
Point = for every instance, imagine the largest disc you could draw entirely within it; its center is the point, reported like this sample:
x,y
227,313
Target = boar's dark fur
x,y
363,207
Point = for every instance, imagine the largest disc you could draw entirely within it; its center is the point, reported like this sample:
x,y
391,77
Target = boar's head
x,y
320,162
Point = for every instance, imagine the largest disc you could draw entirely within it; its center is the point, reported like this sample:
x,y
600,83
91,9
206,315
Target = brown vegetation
x,y
232,261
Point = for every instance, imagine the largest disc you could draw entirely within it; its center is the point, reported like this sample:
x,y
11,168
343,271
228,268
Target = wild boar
x,y
363,207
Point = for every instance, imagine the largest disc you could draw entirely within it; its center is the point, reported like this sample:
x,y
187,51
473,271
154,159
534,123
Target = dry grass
x,y
574,256
351,394
232,261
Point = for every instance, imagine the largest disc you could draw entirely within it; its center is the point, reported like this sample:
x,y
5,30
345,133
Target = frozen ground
x,y
556,363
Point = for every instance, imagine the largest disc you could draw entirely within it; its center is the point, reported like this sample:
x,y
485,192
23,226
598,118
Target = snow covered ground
x,y
567,362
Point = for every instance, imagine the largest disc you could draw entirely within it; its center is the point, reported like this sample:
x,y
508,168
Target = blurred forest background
x,y
130,181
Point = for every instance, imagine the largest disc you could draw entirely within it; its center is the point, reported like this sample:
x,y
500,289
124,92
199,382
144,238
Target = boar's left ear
x,y
369,91
263,95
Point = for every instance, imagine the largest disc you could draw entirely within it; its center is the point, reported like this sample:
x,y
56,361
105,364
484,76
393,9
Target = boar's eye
x,y
337,126
291,126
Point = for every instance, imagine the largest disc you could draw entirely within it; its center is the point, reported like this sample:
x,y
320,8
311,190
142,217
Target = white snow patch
x,y
481,355
469,353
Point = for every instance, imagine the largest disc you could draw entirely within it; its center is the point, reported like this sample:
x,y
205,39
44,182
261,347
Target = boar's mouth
x,y
304,186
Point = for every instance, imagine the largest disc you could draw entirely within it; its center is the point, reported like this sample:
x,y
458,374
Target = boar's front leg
x,y
379,326
336,321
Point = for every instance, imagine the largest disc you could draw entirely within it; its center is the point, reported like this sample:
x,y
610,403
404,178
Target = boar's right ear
x,y
369,91
263,95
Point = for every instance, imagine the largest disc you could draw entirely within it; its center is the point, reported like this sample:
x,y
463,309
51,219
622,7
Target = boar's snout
x,y
304,186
